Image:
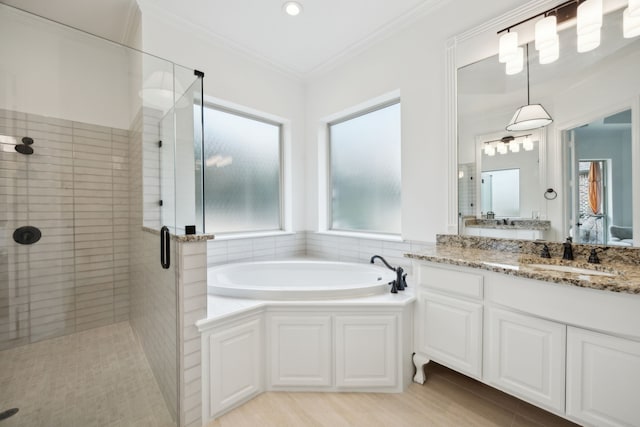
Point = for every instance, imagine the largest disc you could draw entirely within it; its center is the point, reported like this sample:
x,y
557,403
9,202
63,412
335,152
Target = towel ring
x,y
550,194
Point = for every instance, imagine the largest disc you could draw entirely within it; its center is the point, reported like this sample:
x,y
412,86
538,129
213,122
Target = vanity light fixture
x,y
530,116
292,8
508,143
589,17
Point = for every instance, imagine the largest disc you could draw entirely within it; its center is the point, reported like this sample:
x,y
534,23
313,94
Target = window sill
x,y
253,235
372,236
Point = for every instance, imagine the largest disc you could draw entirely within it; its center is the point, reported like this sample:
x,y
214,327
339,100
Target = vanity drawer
x,y
450,281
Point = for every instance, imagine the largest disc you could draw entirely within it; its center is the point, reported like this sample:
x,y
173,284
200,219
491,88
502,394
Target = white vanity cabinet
x,y
525,356
567,349
233,364
449,319
603,379
299,350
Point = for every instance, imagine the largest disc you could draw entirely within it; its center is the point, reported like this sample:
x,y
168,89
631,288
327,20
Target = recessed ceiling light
x,y
292,8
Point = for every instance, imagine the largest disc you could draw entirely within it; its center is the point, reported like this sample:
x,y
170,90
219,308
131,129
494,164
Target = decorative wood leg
x,y
419,361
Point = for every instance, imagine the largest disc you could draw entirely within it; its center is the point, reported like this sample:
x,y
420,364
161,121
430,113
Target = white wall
x,y
53,71
412,61
236,79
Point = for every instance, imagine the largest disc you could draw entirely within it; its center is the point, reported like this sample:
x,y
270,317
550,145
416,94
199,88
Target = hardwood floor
x,y
446,399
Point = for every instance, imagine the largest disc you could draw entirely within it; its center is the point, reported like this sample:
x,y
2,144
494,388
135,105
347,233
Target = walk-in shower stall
x,y
91,136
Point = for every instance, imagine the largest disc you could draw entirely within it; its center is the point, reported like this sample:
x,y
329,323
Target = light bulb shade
x,y
508,47
516,63
527,117
630,24
491,151
550,53
514,146
634,8
527,144
588,41
589,16
502,148
546,32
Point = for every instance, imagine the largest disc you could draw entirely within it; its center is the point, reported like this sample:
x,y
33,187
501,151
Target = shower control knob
x,y
27,235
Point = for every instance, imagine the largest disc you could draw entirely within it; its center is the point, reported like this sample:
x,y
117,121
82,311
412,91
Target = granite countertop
x,y
511,224
626,277
181,237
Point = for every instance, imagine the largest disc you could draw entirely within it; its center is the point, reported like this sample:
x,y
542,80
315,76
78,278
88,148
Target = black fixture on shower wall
x,y
27,235
165,247
25,147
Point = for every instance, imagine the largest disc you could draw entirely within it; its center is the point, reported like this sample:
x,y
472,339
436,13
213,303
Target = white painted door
x,y
234,356
525,356
300,350
603,379
366,348
450,332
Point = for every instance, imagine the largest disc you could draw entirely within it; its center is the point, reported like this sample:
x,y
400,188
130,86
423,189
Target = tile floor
x,y
99,377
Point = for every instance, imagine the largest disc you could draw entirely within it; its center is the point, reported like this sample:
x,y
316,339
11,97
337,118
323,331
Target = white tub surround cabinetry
x,y
250,346
570,350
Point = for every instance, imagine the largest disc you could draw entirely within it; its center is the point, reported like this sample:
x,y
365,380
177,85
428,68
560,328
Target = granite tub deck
x,y
515,258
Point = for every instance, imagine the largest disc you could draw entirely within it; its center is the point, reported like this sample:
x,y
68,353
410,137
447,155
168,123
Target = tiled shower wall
x,y
74,188
312,244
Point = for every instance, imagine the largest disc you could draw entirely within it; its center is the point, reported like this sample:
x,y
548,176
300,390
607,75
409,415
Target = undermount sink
x,y
571,269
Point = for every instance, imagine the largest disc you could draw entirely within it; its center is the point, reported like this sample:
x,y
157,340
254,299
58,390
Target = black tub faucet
x,y
568,250
401,277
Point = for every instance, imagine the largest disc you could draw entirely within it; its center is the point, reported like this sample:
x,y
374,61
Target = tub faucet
x,y
568,250
401,277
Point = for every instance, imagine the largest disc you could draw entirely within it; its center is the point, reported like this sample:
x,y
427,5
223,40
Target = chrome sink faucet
x,y
401,277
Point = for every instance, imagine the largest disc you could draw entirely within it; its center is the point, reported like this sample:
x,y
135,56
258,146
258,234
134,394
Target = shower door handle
x,y
165,247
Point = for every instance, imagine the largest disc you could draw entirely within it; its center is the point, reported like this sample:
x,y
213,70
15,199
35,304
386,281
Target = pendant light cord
x,y
528,100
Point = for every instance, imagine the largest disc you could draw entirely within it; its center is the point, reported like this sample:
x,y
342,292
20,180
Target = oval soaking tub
x,y
298,280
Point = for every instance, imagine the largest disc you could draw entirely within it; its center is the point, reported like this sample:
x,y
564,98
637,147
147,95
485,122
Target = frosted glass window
x,y
365,172
241,173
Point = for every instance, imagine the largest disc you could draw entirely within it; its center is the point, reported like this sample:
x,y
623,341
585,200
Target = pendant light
x,y
530,116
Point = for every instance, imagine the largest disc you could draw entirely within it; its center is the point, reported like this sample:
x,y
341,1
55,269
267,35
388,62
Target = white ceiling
x,y
326,31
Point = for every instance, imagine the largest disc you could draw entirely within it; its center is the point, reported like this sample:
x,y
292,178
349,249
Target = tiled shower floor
x,y
99,377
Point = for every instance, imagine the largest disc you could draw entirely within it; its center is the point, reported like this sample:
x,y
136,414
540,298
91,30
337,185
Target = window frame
x,y
329,182
282,222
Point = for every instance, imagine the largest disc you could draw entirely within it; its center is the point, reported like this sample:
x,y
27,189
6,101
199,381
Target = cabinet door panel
x,y
366,349
235,360
450,332
603,379
526,356
300,350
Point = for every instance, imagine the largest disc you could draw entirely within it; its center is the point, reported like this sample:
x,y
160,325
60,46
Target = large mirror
x,y
575,177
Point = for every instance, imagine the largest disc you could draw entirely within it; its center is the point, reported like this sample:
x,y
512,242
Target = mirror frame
x,y
481,42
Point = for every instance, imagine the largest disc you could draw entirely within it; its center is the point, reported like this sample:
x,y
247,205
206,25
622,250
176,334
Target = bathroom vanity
x,y
568,342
